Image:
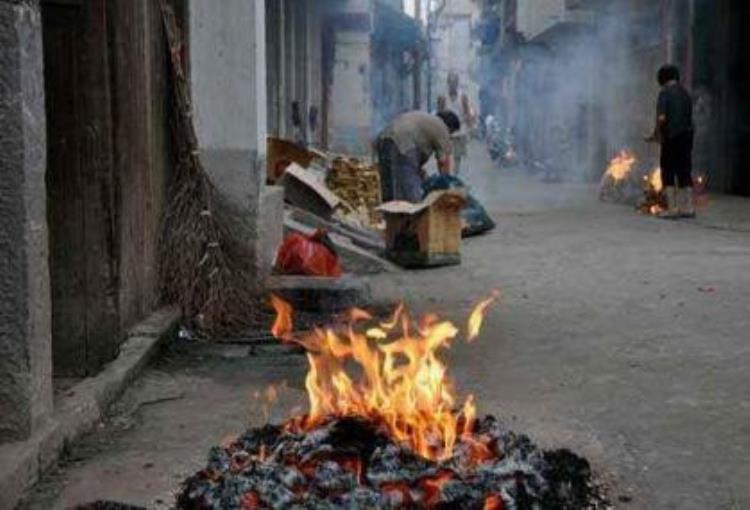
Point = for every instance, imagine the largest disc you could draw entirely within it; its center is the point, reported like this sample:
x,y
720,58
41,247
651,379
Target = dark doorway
x,y
80,185
109,162
722,78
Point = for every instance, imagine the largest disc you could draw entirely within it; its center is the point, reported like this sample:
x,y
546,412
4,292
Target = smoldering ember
x,y
249,250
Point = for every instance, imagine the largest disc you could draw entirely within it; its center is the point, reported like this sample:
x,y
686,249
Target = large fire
x,y
402,384
385,430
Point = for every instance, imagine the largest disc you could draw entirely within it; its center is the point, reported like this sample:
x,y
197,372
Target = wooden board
x,y
304,190
80,186
109,160
425,234
281,153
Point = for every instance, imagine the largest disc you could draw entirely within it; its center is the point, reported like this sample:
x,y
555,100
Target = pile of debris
x,y
351,463
654,199
620,183
357,184
342,195
333,187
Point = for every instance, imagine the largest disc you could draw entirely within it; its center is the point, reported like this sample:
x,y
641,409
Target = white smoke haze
x,y
582,90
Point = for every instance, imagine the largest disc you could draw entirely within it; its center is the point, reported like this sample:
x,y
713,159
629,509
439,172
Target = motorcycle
x,y
499,143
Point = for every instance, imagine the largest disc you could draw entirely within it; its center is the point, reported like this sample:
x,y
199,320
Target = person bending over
x,y
406,145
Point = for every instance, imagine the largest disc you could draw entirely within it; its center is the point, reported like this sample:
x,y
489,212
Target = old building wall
x,y
535,17
274,67
315,17
294,67
228,76
722,81
228,80
349,105
25,354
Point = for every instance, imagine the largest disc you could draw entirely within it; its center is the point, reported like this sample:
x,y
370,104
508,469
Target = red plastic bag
x,y
308,255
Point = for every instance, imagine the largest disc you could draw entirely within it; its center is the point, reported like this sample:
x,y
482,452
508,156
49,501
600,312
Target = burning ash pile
x,y
654,199
391,439
623,183
620,183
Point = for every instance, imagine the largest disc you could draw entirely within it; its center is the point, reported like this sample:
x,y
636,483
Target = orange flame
x,y
621,165
653,180
403,386
477,316
282,326
431,487
655,210
494,502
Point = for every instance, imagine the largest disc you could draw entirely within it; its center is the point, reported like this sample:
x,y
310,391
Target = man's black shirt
x,y
677,106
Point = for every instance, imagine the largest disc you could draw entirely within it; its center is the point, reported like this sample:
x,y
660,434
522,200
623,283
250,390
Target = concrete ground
x,y
621,336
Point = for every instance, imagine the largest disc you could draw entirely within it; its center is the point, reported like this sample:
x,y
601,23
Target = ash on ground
x,y
349,463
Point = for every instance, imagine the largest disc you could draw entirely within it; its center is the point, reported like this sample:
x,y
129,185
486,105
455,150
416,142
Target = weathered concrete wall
x,y
537,16
350,106
294,35
315,13
25,355
230,91
228,78
270,228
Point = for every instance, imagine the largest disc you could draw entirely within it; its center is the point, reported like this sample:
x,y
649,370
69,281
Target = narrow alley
x,y
386,254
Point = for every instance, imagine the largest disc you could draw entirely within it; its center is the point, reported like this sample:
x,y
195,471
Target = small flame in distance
x,y
654,180
477,315
621,165
402,384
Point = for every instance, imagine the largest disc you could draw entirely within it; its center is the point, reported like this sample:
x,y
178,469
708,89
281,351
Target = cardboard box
x,y
305,190
282,153
426,234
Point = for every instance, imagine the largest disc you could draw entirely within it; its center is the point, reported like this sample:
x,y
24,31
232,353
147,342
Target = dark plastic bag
x,y
475,218
308,256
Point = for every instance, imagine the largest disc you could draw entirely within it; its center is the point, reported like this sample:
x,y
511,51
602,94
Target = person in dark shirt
x,y
675,131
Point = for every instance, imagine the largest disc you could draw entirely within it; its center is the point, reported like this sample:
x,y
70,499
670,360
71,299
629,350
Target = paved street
x,y
624,336
621,336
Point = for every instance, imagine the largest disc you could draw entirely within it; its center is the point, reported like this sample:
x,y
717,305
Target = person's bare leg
x,y
672,211
686,202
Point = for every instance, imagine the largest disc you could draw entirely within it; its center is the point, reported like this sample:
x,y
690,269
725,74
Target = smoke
x,y
579,91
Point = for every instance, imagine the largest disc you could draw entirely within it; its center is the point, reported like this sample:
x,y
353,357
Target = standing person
x,y
454,100
442,104
459,138
406,145
675,131
468,115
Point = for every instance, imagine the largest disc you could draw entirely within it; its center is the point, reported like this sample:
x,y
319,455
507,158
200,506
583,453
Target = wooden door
x,y
80,186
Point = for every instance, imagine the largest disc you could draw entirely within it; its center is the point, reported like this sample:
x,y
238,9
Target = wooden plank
x,y
99,189
141,158
62,42
426,234
109,160
80,187
304,190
